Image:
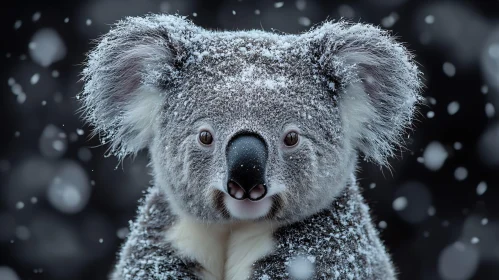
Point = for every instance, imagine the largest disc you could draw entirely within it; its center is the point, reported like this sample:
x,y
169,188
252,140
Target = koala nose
x,y
246,160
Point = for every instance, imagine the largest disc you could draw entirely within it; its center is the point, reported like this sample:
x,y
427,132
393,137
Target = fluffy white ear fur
x,y
356,112
124,75
139,116
141,101
379,83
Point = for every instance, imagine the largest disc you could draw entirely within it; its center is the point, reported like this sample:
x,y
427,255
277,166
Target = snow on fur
x,y
142,56
340,241
137,59
145,254
154,81
379,74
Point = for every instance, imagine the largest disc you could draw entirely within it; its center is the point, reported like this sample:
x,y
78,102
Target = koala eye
x,y
291,139
205,137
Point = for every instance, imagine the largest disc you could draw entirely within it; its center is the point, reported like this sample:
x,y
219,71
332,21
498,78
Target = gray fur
x,y
340,240
145,255
156,81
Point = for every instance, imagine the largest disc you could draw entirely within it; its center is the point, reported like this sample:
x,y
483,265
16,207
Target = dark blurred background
x,y
65,208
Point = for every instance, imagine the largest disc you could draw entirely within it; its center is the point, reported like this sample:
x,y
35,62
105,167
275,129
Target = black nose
x,y
246,160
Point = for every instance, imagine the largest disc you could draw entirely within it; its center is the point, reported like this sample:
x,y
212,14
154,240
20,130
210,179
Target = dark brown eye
x,y
205,137
291,139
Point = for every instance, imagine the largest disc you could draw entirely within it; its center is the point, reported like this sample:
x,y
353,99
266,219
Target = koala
x,y
253,139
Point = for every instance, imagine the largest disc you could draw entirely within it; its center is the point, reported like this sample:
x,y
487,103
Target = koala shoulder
x,y
146,254
337,243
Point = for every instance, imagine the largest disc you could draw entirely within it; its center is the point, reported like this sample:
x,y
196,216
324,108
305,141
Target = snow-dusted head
x,y
249,124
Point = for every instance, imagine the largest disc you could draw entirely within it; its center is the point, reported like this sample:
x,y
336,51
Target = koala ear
x,y
127,73
376,79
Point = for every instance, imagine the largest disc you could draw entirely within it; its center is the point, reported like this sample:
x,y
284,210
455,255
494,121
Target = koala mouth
x,y
247,209
269,207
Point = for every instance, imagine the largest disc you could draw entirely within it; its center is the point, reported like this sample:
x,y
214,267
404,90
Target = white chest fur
x,y
225,252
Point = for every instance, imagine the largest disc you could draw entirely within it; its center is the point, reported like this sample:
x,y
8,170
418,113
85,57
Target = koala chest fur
x,y
222,251
253,139
336,243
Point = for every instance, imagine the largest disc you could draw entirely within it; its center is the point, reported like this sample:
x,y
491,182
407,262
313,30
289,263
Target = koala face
x,y
246,93
249,125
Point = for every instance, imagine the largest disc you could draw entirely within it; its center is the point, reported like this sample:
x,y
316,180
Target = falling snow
x,y
69,191
453,108
488,146
382,225
449,69
301,5
390,20
346,11
47,47
278,4
434,156
461,173
400,203
458,261
305,21
484,89
18,24
7,273
122,233
490,111
34,79
20,205
53,142
429,19
36,16
481,188
432,100
431,211
23,233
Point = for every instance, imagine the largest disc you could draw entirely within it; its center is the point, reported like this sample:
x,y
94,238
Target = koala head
x,y
249,125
